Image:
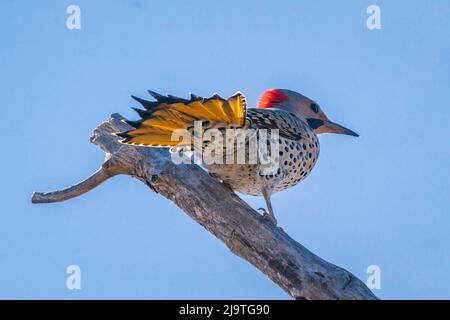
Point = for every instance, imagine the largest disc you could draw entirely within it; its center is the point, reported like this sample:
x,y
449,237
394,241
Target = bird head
x,y
304,108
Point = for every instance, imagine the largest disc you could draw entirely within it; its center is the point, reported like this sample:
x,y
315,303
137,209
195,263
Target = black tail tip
x,y
123,135
134,124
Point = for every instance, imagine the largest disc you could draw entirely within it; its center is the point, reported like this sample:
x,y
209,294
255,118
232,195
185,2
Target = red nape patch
x,y
271,97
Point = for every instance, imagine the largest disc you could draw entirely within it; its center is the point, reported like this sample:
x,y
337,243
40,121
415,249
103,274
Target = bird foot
x,y
268,216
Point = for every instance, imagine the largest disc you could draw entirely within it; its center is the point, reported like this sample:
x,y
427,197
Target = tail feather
x,y
145,103
169,113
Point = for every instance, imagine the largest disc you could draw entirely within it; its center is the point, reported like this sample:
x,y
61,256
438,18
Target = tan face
x,y
313,114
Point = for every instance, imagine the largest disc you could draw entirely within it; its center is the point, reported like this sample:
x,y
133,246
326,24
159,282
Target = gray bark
x,y
219,210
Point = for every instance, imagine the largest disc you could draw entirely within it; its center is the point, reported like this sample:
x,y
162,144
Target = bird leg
x,y
268,214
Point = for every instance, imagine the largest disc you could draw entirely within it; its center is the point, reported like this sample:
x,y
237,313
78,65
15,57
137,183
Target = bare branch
x,y
218,209
84,186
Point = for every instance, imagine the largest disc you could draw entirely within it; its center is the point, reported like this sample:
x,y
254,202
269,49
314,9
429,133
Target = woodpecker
x,y
296,119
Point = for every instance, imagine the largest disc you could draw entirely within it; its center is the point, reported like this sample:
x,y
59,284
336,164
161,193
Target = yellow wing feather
x,y
168,114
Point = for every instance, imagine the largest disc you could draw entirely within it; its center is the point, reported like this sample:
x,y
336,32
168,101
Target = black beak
x,y
337,128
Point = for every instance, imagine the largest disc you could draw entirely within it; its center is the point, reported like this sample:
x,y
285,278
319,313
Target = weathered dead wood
x,y
218,209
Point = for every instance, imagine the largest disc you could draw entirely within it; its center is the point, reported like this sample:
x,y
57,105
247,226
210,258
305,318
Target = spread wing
x,y
161,118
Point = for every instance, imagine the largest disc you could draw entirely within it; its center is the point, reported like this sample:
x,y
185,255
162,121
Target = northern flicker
x,y
296,119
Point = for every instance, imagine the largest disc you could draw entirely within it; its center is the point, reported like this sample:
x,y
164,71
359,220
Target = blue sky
x,y
382,198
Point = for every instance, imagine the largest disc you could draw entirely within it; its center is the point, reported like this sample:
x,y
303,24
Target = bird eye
x,y
314,107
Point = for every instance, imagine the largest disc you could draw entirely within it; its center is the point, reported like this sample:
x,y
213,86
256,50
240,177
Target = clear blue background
x,y
379,199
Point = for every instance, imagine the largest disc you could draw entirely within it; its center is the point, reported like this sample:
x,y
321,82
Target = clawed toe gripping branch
x,y
246,233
